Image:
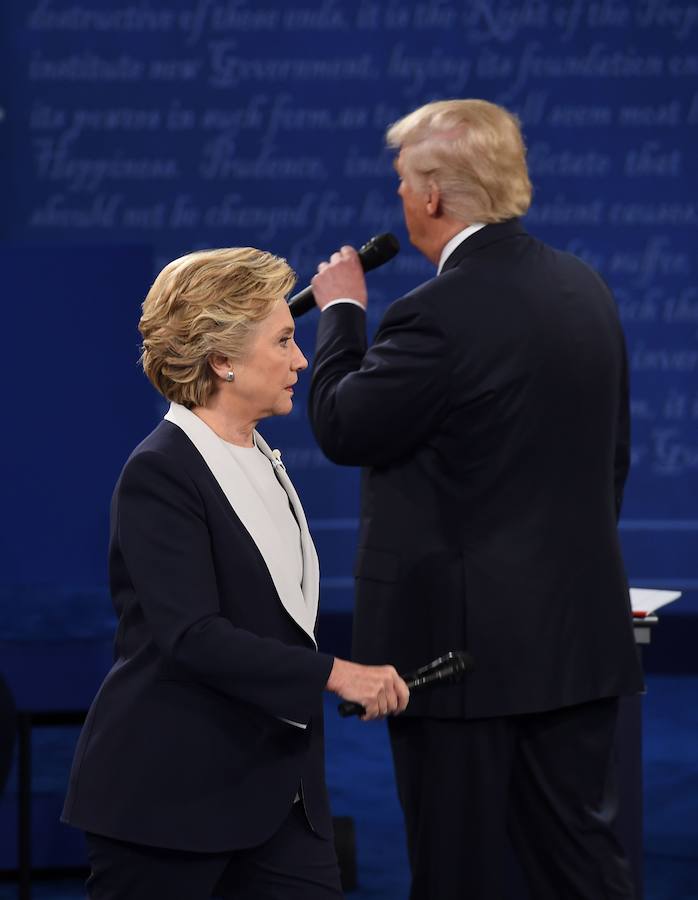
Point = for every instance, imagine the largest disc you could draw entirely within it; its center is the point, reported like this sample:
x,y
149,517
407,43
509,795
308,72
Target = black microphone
x,y
374,253
447,669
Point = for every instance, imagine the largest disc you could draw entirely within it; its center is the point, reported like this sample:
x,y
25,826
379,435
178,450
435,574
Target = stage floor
x,y
361,785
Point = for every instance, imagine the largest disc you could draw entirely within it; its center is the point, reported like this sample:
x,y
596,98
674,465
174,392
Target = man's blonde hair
x,y
204,303
473,151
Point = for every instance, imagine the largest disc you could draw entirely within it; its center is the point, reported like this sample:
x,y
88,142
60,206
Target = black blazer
x,y
184,746
491,418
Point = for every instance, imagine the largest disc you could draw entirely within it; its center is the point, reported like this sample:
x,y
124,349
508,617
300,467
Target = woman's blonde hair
x,y
204,303
474,153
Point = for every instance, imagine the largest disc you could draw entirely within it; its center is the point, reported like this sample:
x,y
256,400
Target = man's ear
x,y
433,206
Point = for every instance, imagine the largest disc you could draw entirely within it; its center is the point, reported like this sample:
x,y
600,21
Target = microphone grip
x,y
372,254
452,668
347,708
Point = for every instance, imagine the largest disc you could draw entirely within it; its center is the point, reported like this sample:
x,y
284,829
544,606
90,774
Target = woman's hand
x,y
379,689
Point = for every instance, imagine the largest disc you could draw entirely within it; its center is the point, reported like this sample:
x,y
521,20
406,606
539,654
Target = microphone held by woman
x,y
445,669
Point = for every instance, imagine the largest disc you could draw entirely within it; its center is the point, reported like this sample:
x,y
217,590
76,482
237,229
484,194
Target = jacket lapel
x,y
300,602
311,566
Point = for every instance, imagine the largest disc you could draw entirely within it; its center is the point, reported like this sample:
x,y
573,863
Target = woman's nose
x,y
300,362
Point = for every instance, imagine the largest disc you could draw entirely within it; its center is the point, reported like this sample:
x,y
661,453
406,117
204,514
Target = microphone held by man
x,y
374,253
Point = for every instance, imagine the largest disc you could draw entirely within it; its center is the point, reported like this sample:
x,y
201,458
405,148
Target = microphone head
x,y
378,250
455,664
462,662
448,669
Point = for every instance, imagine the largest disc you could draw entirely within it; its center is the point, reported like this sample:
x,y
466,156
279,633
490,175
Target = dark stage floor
x,y
360,777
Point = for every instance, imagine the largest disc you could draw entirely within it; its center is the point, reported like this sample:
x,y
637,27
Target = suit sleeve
x,y
622,450
165,541
371,407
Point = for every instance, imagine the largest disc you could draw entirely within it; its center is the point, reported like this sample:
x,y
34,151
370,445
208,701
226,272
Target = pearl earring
x,y
230,376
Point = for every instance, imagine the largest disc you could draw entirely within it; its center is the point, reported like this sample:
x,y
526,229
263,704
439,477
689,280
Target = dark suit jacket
x,y
491,418
184,746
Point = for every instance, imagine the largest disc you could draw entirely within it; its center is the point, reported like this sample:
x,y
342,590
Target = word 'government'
x,y
196,123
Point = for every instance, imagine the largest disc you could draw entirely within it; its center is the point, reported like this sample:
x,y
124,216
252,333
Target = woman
x,y
199,771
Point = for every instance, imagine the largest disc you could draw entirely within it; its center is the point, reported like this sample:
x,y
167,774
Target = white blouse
x,y
260,472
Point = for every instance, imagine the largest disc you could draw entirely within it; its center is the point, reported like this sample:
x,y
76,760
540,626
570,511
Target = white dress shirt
x,y
456,241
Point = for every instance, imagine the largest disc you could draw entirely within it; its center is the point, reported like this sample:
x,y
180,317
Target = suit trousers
x,y
544,782
294,864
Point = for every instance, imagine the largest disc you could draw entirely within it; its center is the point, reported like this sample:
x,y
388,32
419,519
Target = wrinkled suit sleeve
x,y
369,407
165,541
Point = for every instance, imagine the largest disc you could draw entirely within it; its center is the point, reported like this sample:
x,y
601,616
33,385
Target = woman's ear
x,y
220,365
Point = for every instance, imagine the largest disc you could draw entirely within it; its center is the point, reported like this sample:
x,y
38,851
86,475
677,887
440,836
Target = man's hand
x,y
340,278
379,689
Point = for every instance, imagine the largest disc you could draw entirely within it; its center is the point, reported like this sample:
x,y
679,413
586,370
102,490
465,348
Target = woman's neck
x,y
227,423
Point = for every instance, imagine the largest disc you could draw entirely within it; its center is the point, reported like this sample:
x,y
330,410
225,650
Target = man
x,y
490,415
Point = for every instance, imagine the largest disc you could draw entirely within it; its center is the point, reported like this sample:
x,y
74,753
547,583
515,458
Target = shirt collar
x,y
456,241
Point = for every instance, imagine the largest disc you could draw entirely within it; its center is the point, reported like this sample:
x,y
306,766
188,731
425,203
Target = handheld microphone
x,y
374,253
447,669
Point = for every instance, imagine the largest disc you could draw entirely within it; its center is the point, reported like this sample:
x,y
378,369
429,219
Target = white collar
x,y
456,241
300,601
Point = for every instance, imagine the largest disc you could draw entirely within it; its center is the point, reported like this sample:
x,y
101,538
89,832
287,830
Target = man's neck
x,y
456,240
444,229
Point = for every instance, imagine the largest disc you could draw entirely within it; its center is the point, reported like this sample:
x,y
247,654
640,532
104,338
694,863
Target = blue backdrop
x,y
133,131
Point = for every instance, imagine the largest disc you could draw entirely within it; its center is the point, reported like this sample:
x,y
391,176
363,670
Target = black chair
x,y
8,731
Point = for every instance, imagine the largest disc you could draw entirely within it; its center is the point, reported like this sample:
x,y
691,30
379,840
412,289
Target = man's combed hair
x,y
204,303
473,151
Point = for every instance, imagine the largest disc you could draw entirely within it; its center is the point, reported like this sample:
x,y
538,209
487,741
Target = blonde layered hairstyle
x,y
474,153
206,303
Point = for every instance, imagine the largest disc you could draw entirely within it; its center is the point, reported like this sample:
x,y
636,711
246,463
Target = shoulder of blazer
x,y
485,237
169,440
179,454
168,458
